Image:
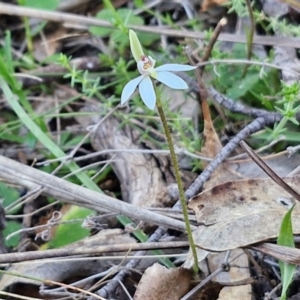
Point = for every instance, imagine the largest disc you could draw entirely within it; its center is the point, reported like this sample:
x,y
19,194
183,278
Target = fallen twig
x,y
71,251
55,16
12,172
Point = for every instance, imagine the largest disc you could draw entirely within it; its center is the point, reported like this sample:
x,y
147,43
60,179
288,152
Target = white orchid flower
x,y
145,65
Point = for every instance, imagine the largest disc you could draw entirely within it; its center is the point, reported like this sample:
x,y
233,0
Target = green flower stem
x,y
179,182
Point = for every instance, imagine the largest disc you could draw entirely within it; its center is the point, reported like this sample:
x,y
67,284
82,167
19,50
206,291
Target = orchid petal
x,y
175,68
171,80
147,92
135,46
129,88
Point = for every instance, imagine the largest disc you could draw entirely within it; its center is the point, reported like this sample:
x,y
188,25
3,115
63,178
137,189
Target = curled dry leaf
x,y
159,282
239,213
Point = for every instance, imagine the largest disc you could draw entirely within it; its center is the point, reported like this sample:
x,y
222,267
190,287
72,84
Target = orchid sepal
x,y
129,88
175,68
171,80
147,92
135,46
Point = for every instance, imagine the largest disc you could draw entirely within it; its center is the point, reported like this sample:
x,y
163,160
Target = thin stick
x,y
250,35
15,10
71,251
211,43
74,194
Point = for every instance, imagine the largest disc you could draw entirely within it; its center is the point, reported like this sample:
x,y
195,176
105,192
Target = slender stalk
x,y
249,35
27,31
28,36
179,182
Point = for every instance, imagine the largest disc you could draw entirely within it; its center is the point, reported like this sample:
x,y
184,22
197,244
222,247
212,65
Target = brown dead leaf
x,y
49,44
210,290
210,3
238,270
201,255
236,292
282,163
160,283
240,213
212,145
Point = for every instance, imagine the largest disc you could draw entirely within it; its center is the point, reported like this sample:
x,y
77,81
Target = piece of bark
x,y
142,182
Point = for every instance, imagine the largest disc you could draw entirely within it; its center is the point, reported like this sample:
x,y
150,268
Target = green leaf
x,y
106,15
30,140
47,5
126,15
74,141
241,87
138,3
8,52
147,39
286,238
8,136
68,233
290,135
8,196
12,226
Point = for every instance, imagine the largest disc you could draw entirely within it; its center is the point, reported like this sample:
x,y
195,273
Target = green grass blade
x,y
286,238
42,137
